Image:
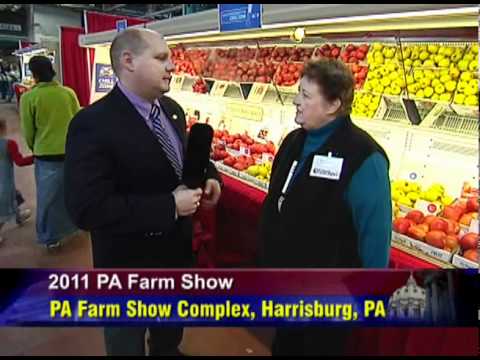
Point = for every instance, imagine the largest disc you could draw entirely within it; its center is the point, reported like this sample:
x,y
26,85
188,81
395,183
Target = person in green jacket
x,y
46,112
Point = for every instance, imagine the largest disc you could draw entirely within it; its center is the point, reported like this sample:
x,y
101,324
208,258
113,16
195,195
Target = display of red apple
x,y
436,238
453,212
469,241
453,227
328,51
424,227
451,242
288,74
416,216
429,219
229,161
190,122
184,67
282,54
439,224
466,219
264,53
471,255
401,225
302,54
472,204
200,86
417,232
359,73
354,53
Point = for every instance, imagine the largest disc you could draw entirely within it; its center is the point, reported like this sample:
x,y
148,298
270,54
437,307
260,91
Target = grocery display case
x,y
416,93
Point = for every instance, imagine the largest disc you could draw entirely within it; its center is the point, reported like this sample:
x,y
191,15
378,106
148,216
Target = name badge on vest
x,y
327,167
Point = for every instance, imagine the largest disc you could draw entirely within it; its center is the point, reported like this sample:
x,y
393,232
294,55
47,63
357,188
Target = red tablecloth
x,y
236,238
228,238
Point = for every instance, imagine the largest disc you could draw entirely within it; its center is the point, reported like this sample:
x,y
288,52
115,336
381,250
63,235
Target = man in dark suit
x,y
124,157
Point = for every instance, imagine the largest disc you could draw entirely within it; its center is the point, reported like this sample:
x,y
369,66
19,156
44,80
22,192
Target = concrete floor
x,y
19,250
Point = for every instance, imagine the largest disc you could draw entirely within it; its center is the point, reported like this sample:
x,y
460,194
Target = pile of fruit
x,y
441,233
220,70
184,67
261,172
437,84
388,79
254,72
302,54
467,88
359,74
200,86
406,193
462,212
282,54
239,163
380,54
248,164
365,104
219,152
190,61
431,56
264,53
238,54
328,51
190,122
288,74
354,54
236,141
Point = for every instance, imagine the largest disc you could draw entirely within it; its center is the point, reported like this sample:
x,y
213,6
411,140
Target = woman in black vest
x,y
328,204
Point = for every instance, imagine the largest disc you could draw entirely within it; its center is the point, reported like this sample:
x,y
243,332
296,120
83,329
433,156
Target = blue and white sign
x,y
234,17
121,25
105,79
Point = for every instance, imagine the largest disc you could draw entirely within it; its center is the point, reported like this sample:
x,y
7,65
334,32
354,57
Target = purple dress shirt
x,y
144,107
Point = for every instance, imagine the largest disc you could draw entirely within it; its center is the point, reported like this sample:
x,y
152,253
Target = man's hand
x,y
211,193
187,201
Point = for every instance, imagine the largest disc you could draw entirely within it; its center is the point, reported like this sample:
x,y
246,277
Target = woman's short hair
x,y
335,81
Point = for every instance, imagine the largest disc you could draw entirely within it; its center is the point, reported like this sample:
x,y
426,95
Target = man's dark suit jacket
x,y
119,183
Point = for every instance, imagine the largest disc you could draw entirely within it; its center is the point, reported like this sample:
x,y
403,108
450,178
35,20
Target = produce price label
x,y
267,157
401,239
254,113
440,254
258,92
462,263
244,151
177,82
219,88
427,207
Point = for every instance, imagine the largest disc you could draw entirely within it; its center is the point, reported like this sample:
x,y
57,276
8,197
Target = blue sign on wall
x,y
105,79
239,16
121,25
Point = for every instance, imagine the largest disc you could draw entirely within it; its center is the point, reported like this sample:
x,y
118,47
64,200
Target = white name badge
x,y
326,167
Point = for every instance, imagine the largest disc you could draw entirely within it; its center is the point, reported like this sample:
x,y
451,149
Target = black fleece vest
x,y
314,228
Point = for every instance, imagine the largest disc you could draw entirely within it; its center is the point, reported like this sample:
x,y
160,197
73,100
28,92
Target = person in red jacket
x,y
9,196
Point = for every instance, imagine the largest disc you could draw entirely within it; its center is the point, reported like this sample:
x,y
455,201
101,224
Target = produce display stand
x,y
439,145
248,89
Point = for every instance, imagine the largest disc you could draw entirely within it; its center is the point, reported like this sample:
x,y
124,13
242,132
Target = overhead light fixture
x,y
298,35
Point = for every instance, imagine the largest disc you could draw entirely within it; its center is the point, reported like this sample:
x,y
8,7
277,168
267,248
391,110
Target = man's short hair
x,y
41,68
129,39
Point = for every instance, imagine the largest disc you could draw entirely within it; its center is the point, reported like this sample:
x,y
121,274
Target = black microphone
x,y
197,156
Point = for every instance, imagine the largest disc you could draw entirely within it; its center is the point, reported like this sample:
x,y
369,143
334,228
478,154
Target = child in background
x,y
9,154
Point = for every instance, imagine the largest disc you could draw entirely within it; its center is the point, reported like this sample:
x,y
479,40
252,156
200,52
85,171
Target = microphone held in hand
x,y
197,156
